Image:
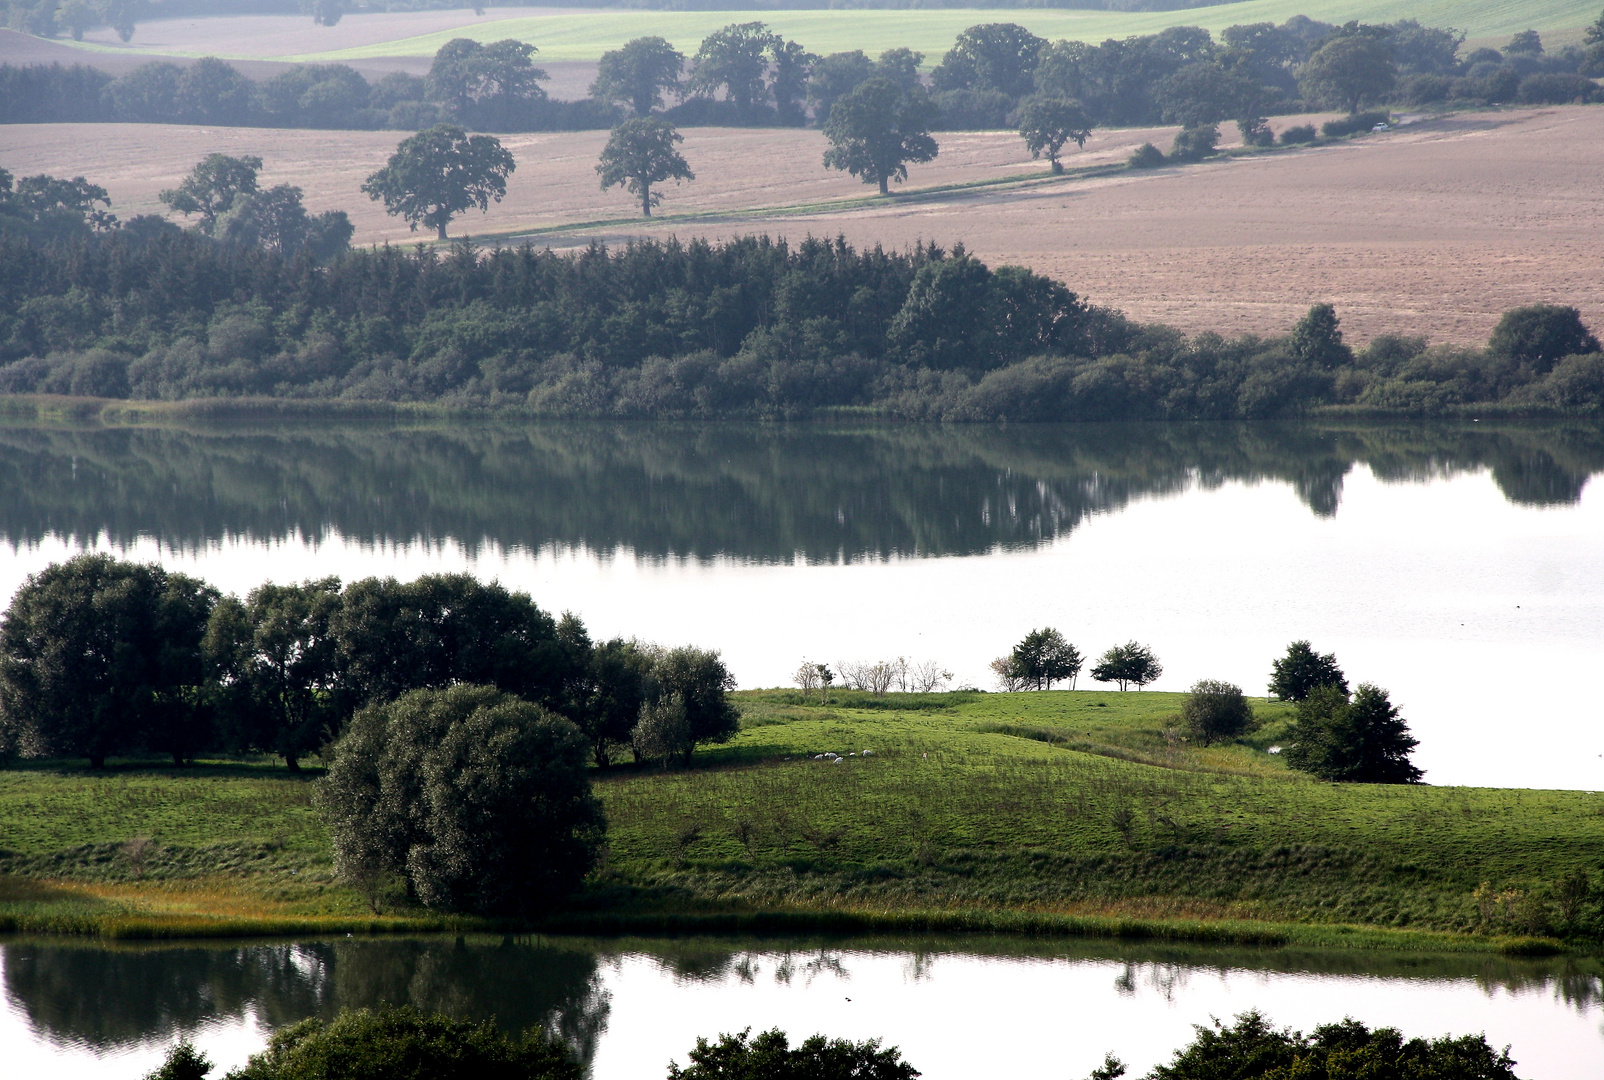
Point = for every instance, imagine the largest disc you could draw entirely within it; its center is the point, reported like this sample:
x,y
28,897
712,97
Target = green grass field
x,y
585,35
982,811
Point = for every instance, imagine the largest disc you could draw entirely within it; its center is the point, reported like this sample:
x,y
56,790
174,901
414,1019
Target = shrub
x,y
1214,711
394,1043
1353,125
1195,143
1146,156
479,799
1555,88
770,1057
1298,133
1255,132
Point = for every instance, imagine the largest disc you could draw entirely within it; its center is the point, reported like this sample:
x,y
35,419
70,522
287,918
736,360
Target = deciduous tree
x,y
1044,657
1348,71
877,130
1126,664
212,186
437,174
1363,740
489,84
1048,122
639,74
1302,671
639,154
770,1056
991,56
692,707
736,60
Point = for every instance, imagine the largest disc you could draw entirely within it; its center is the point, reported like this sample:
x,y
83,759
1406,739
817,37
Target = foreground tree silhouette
x,y
638,74
437,174
1047,123
769,1056
876,130
641,153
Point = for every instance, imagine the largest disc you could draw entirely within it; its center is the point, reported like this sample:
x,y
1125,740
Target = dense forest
x,y
745,74
749,328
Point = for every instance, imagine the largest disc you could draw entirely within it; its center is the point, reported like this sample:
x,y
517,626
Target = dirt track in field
x,y
1435,228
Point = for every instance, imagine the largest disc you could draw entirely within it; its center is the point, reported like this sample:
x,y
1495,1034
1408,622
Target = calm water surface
x,y
1461,566
957,1008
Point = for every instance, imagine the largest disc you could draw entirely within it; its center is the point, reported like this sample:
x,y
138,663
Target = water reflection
x,y
757,493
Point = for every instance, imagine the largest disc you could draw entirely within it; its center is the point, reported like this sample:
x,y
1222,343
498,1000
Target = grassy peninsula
x,y
1063,812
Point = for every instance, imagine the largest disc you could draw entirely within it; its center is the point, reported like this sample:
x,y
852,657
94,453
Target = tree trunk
x,y
292,761
646,199
442,234
178,760
885,186
97,761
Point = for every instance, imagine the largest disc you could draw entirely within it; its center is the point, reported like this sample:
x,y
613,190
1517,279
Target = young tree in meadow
x,y
1363,740
1347,71
641,153
736,60
1126,664
1302,671
877,130
1044,657
212,186
1046,123
437,174
639,74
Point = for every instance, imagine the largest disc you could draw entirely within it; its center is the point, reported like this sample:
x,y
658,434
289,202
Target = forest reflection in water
x,y
88,1004
754,493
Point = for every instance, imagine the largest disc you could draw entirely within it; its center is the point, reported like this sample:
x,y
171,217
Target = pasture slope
x,y
1436,228
570,34
1061,812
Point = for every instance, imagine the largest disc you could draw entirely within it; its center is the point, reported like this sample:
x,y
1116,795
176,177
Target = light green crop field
x,y
1041,808
565,34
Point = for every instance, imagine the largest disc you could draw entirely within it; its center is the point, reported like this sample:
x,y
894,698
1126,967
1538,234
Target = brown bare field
x,y
1435,228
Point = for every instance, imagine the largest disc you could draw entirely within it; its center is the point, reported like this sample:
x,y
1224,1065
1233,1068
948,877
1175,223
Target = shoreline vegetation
x,y
1045,814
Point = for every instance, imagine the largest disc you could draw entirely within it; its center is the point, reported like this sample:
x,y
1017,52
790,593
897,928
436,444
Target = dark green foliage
x,y
1043,658
1298,133
437,174
405,1044
1317,341
1215,711
212,186
1540,335
492,86
1207,93
770,1056
1359,741
617,682
640,153
639,74
1194,143
1348,71
1302,671
692,706
46,208
835,76
751,65
1126,664
183,1062
1525,43
1356,124
479,799
99,656
1000,57
1251,1048
877,130
1146,156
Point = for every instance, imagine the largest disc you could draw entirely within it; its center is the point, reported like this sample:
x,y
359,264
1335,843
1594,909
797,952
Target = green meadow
x,y
566,34
1073,812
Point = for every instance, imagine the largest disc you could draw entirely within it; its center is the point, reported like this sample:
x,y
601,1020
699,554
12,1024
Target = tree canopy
x,y
641,153
639,74
734,59
479,800
485,85
437,174
1044,657
1127,664
1358,740
1001,57
770,1056
212,186
1347,71
1047,122
877,130
1301,671
1214,711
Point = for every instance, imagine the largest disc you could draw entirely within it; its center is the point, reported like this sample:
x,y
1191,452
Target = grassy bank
x,y
1067,813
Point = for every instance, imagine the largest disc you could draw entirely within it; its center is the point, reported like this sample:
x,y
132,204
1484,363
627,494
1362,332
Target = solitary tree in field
x,y
1047,123
437,174
1126,664
1302,671
212,186
1215,710
876,130
641,153
1362,740
639,74
1346,71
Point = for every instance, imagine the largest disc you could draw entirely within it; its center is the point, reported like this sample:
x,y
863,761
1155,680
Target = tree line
x,y
750,327
367,1044
102,657
746,74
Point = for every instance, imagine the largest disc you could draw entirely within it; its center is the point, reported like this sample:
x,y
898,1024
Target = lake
x,y
957,1008
1455,564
